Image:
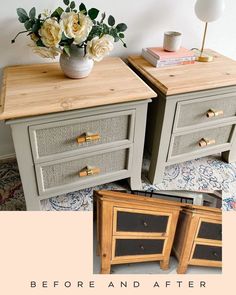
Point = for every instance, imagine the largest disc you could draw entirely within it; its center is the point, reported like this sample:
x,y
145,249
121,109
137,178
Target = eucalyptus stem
x,y
14,40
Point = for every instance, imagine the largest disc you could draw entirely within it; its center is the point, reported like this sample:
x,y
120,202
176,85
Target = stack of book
x,y
158,57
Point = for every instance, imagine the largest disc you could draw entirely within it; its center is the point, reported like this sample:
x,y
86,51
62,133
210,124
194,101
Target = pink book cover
x,y
161,54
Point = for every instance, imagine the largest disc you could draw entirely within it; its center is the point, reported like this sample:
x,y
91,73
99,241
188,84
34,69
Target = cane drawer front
x,y
209,230
83,170
198,142
85,134
207,252
140,222
138,247
205,110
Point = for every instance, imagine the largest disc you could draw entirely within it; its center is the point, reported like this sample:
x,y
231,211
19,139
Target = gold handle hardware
x,y
205,142
89,171
86,137
213,113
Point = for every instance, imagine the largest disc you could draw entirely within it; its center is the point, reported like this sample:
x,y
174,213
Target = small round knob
x,y
145,224
215,254
142,247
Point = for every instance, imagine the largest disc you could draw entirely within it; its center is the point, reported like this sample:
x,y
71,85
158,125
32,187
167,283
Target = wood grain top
x,y
114,196
42,89
189,78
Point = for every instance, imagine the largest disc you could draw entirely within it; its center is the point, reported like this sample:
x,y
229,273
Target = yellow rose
x,y
98,48
45,52
50,32
76,25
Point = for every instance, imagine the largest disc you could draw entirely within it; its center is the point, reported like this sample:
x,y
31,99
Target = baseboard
x,y
8,156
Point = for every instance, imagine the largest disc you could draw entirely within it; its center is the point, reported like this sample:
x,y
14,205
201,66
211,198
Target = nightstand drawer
x,y
211,231
68,137
134,247
141,222
198,142
74,172
207,252
205,110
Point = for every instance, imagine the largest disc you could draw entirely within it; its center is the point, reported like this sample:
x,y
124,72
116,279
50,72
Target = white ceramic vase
x,y
77,65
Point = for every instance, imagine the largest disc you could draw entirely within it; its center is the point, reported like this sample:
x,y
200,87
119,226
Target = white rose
x,y
51,33
45,52
98,48
76,25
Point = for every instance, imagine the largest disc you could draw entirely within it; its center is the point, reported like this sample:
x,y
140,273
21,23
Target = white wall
x,y
147,20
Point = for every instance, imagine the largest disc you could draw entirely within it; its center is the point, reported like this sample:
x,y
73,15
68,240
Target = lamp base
x,y
203,56
206,58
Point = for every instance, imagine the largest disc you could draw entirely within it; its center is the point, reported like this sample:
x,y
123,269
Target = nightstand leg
x,y
138,147
105,266
164,264
26,167
164,112
182,268
230,156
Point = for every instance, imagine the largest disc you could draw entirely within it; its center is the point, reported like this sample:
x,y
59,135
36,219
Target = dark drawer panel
x,y
211,231
208,252
137,222
126,247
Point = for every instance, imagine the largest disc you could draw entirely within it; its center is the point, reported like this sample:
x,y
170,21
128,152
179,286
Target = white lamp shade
x,y
209,10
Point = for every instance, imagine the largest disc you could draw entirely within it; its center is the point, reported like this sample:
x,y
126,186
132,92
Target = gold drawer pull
x,y
86,137
205,142
213,113
89,171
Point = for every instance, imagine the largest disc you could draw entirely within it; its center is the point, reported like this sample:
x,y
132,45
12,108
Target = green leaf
x,y
21,11
40,43
93,13
66,2
125,45
32,13
83,8
23,16
67,49
121,27
121,35
103,17
68,9
111,21
36,26
29,24
22,20
72,5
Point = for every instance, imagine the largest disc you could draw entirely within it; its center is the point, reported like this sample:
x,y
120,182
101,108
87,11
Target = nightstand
x,y
194,114
74,134
134,229
198,239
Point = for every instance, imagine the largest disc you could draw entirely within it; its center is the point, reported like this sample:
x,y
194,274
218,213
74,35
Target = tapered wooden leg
x,y
182,268
105,265
106,237
164,264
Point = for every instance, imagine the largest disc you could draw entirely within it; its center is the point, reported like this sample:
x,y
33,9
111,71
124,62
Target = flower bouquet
x,y
75,33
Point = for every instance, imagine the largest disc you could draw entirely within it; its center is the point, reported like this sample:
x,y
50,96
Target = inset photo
x,y
157,232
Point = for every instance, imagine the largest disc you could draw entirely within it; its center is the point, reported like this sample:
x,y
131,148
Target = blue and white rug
x,y
209,173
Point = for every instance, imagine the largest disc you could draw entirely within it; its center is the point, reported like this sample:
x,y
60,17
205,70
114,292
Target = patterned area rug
x,y
208,173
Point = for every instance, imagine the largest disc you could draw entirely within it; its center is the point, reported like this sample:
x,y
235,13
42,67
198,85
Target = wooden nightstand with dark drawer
x,y
134,229
198,239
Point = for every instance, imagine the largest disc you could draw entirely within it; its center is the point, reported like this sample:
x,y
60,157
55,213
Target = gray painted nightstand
x,y
74,134
194,114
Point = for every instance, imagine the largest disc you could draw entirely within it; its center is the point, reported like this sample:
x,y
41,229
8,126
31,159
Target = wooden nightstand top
x,y
39,89
188,78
